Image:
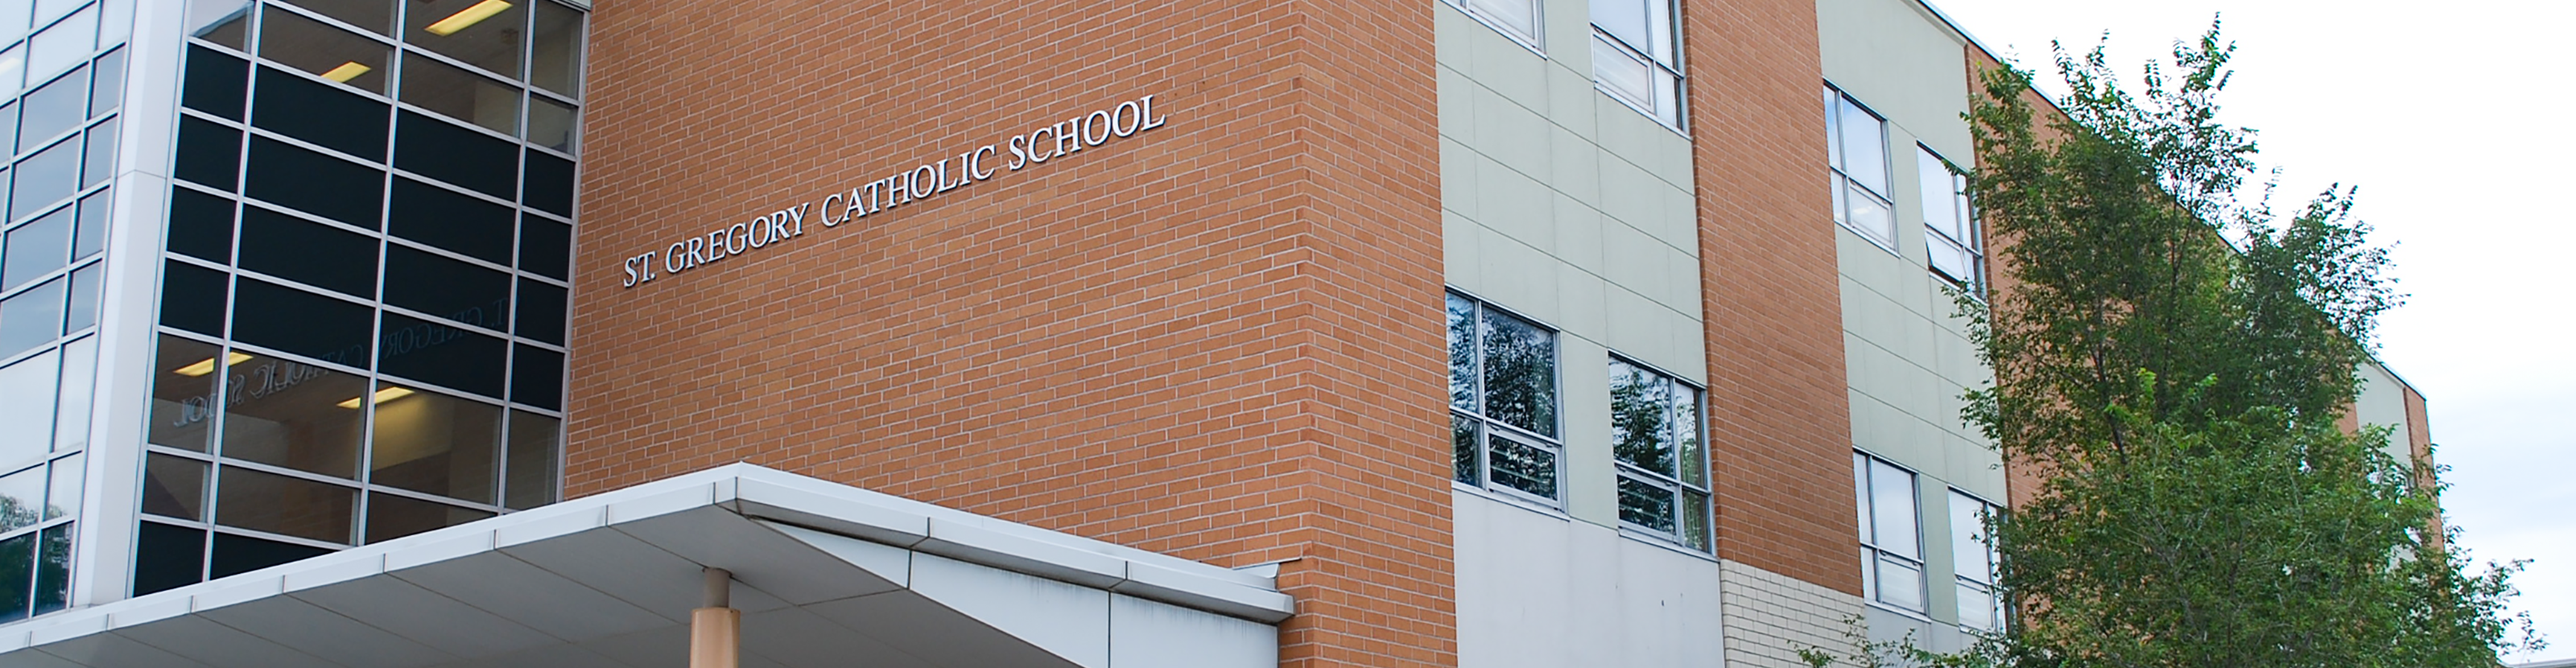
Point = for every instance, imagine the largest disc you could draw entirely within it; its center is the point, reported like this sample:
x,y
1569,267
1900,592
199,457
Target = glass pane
x,y
225,22
1968,539
115,22
551,124
1833,131
548,185
17,576
452,221
90,234
209,154
13,19
1522,466
1520,373
294,415
316,183
1860,491
541,311
31,318
484,33
1864,147
453,289
443,355
54,568
217,83
1462,353
201,225
1641,408
390,517
80,374
48,10
308,252
1519,17
36,248
1891,503
374,15
554,61
167,557
193,298
1464,455
440,150
304,323
109,88
1625,19
1695,520
236,554
1976,607
1949,258
183,390
435,443
545,247
69,41
282,505
45,178
27,408
1900,583
53,109
536,448
318,49
13,70
465,96
98,161
174,487
1871,216
22,499
1648,505
1623,74
1932,175
321,113
1686,431
536,377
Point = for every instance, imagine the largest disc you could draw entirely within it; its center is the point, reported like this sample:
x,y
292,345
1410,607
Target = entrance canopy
x,y
825,574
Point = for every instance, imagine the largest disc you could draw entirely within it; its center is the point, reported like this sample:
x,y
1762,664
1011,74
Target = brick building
x,y
474,332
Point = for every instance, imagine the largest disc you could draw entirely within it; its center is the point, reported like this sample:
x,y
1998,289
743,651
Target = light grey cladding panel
x,y
1538,591
1902,62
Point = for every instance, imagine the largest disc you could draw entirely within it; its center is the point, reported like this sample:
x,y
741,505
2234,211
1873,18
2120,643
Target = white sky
x,y
2445,114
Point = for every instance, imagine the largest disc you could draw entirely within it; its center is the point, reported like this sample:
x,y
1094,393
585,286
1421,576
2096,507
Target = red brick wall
x,y
1219,339
1780,414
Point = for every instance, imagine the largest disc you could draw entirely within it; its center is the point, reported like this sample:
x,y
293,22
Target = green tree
x,y
2198,505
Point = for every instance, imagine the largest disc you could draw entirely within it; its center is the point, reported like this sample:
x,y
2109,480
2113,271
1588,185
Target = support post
x,y
715,630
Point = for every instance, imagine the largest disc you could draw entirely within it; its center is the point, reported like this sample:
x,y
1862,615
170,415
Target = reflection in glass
x,y
465,96
435,443
1900,583
45,178
36,248
13,19
554,60
535,453
183,390
1462,353
375,15
551,124
167,557
282,505
52,109
1892,504
108,90
321,50
1464,454
294,415
99,160
91,231
54,568
1520,373
484,33
17,575
31,318
80,371
27,408
390,517
454,289
443,355
1522,466
22,499
1646,504
1641,411
63,490
13,70
235,554
1695,520
174,487
68,41
225,22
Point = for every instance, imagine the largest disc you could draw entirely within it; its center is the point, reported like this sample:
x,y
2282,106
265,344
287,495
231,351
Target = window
x,y
1950,226
1856,146
1973,551
1891,544
1517,19
1636,56
1656,438
1502,398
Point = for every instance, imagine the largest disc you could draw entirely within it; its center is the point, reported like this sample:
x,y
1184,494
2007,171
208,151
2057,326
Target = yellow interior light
x,y
383,395
207,365
346,71
467,19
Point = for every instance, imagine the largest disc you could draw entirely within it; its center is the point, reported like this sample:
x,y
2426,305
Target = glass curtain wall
x,y
62,69
363,291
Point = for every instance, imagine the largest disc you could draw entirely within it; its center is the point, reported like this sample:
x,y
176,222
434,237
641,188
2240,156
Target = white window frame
x,y
1686,519
1892,550
1852,195
1488,428
1493,13
1659,63
1950,227
1967,537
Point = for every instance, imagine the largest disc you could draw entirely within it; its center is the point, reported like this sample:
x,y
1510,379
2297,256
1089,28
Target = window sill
x,y
1524,504
1498,29
1901,612
1656,540
1865,236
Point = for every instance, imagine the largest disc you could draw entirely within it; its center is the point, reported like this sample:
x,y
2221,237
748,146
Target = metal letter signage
x,y
910,184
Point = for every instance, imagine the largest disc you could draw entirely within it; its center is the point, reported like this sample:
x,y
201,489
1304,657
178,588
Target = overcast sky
x,y
2445,114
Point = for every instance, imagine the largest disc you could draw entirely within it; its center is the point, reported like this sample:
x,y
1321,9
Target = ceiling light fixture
x,y
467,19
346,71
383,395
207,365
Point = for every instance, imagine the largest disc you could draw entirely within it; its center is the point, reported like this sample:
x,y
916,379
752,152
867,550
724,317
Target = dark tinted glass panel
x,y
535,442
100,159
295,415
549,183
201,225
53,109
315,183
373,15
446,219
545,247
334,118
218,83
452,289
209,154
91,236
282,505
183,394
308,252
324,51
469,30
461,95
536,378
167,557
437,149
35,248
432,442
541,311
192,298
45,178
17,564
109,90
554,60
442,355
53,568
304,323
235,555
390,517
174,487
